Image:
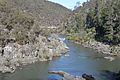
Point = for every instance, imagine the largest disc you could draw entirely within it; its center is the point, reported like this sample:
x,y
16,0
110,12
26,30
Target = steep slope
x,y
102,16
46,13
97,22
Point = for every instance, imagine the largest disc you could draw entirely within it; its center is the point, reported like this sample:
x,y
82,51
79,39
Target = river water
x,y
81,60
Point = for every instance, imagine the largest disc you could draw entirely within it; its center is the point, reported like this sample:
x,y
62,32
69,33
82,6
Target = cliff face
x,y
13,54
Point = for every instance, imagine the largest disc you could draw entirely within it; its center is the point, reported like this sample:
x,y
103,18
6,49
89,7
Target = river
x,y
81,60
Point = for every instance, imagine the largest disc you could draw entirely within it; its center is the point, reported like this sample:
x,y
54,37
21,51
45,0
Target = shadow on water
x,y
110,75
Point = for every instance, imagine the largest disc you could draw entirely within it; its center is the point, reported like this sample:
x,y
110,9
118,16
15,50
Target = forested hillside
x,y
100,19
46,13
24,20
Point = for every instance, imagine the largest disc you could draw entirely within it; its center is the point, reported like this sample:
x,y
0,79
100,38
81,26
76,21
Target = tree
x,y
77,5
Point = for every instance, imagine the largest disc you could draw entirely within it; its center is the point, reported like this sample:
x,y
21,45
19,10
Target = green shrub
x,y
42,55
21,38
7,63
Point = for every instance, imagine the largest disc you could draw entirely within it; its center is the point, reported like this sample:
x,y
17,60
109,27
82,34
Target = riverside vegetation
x,y
96,24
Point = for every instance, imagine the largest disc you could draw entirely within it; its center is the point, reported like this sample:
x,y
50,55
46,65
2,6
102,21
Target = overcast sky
x,y
68,3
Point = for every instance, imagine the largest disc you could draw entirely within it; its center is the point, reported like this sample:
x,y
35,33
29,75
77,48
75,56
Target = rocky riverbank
x,y
100,47
44,49
103,48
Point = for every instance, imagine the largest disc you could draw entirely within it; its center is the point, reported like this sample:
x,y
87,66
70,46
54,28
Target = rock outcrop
x,y
44,49
66,76
100,47
88,77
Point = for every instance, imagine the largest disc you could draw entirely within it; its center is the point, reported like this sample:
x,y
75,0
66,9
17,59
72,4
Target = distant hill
x,y
45,12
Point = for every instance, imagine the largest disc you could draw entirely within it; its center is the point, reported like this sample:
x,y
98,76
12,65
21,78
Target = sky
x,y
68,3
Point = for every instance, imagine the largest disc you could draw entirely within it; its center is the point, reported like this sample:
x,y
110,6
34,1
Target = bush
x,y
42,55
21,38
7,63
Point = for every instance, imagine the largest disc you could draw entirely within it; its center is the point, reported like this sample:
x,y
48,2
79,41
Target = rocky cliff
x,y
13,54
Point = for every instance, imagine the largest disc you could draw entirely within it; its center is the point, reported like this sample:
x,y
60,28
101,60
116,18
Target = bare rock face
x,y
43,49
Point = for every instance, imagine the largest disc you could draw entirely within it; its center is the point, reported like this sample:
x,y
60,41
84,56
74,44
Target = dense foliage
x,y
105,18
103,15
46,13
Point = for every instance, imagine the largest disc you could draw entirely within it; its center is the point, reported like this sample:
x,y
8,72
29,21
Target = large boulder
x,y
66,76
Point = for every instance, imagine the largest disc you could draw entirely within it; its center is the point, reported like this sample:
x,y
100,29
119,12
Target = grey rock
x,y
98,46
66,76
43,49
